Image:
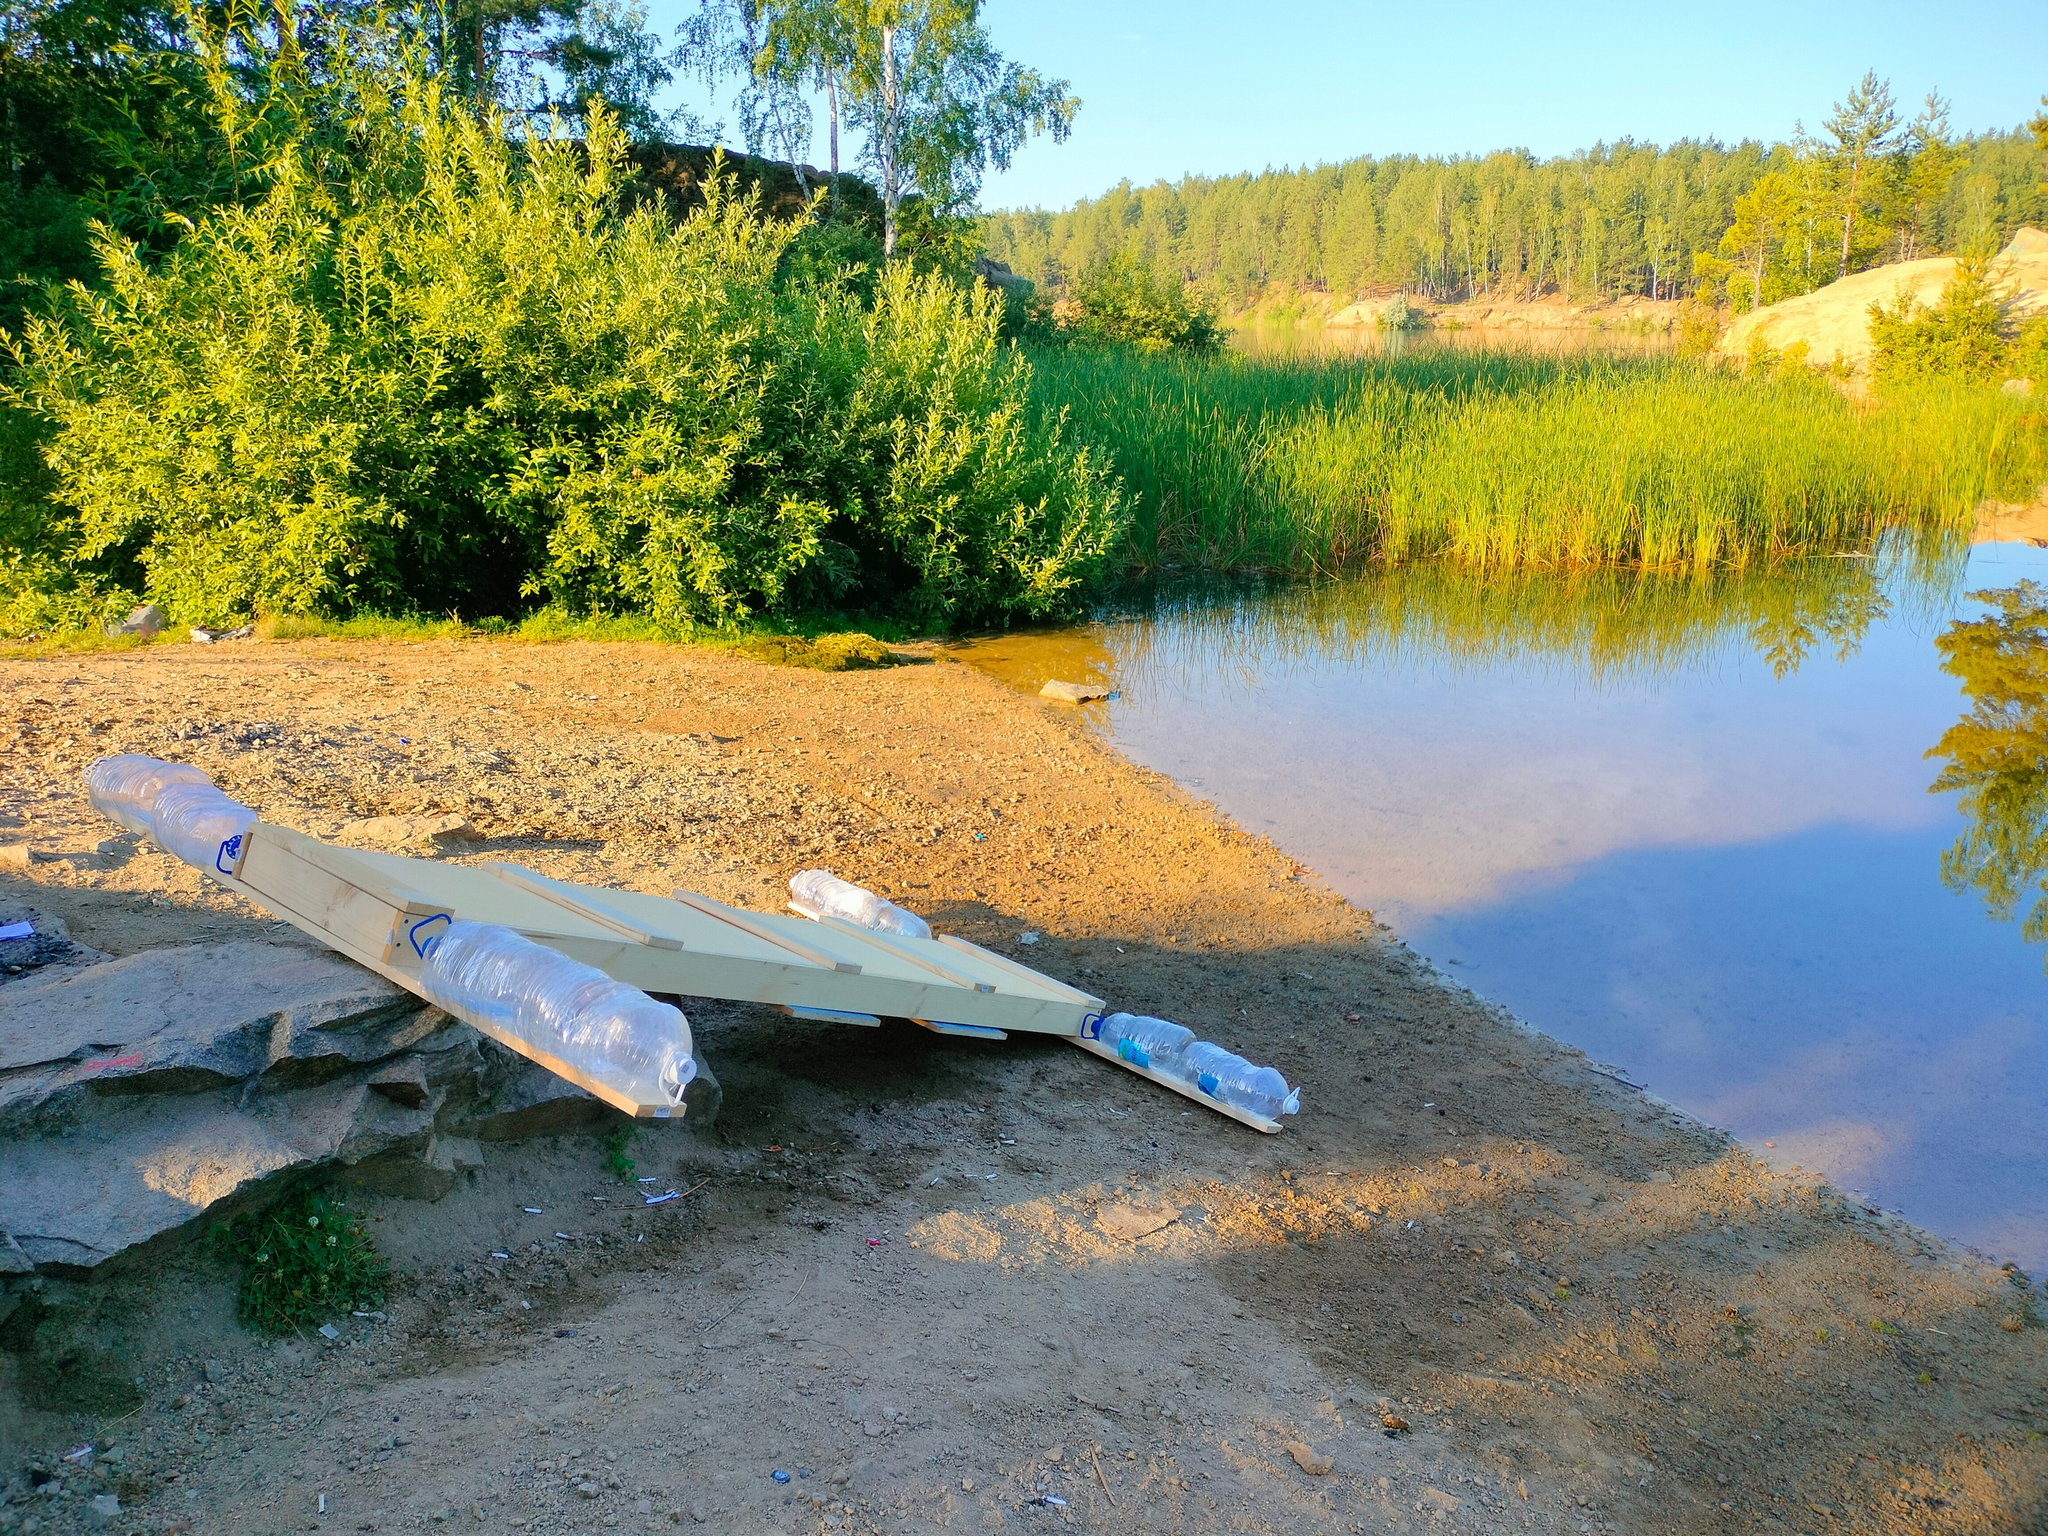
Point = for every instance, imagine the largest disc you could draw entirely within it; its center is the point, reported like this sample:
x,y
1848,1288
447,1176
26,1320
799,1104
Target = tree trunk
x,y
1849,217
832,106
888,145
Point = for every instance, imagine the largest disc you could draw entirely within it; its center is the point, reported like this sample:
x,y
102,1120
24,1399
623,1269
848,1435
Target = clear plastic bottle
x,y
124,787
821,893
1223,1075
200,825
488,974
1144,1041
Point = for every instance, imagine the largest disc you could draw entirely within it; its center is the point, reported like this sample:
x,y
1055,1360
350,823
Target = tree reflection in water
x,y
1997,755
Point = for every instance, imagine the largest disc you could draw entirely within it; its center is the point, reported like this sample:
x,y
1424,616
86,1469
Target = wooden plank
x,y
970,1031
760,930
371,928
1185,1090
829,1015
896,944
1037,979
583,904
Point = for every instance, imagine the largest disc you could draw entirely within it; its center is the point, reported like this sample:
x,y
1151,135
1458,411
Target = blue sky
x,y
1214,89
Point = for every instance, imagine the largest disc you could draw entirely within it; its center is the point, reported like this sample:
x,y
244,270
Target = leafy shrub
x,y
439,369
302,1261
1126,304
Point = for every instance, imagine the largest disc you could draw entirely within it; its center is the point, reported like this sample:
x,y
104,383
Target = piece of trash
x,y
1411,1226
779,1475
662,1199
499,1253
1051,1500
874,1242
1027,938
565,1333
329,1331
531,1210
323,1505
79,1453
649,1179
17,931
375,1317
641,1238
565,1237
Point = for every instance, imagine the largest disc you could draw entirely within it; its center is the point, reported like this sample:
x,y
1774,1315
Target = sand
x,y
934,1280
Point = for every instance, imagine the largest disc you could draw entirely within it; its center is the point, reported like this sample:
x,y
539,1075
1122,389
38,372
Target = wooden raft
x,y
383,910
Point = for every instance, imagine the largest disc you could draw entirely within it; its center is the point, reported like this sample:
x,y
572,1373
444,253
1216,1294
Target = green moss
x,y
849,652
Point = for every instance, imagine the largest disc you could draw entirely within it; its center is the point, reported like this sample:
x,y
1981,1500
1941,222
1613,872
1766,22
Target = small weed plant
x,y
615,1143
303,1261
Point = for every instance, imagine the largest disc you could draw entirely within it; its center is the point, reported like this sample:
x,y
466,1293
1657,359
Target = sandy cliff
x,y
1835,321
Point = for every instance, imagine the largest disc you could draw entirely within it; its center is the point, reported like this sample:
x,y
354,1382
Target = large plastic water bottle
x,y
1144,1041
823,894
1229,1077
488,974
201,825
124,787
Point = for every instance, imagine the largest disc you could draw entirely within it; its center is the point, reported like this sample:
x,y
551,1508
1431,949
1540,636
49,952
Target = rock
x,y
146,621
1309,1459
526,1099
402,1081
214,1372
1075,693
1445,1502
193,1017
104,1506
394,831
161,1162
12,1260
1131,1222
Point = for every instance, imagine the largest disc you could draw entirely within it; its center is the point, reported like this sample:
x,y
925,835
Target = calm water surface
x,y
1686,827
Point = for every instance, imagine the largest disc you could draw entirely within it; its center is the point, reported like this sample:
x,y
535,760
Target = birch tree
x,y
938,105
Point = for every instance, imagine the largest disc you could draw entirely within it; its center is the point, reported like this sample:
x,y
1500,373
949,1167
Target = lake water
x,y
1683,825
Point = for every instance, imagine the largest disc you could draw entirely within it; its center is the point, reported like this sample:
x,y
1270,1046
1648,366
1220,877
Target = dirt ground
x,y
945,1284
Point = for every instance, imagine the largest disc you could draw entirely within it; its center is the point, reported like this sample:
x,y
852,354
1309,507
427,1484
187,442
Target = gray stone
x,y
12,1260
122,1178
196,1017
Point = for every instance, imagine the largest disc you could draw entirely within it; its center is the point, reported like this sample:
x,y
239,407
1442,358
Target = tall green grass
x,y
1509,460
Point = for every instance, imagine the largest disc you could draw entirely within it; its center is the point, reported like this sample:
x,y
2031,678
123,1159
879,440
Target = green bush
x,y
1957,337
1125,304
303,1261
440,370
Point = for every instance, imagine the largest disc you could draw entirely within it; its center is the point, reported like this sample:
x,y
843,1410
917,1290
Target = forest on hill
x,y
1663,222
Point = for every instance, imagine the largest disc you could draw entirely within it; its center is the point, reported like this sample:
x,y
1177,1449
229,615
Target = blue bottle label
x,y
1208,1084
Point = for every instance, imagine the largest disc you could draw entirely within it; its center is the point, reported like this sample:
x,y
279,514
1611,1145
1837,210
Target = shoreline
x,y
1567,1288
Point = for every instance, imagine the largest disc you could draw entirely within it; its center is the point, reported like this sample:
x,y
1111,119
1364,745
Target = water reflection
x,y
1683,824
1997,754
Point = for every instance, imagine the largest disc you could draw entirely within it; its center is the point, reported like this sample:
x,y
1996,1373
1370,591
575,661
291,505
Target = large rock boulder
x,y
141,1095
1834,322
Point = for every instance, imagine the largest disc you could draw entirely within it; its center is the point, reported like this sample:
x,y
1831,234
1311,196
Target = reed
x,y
1512,460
